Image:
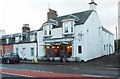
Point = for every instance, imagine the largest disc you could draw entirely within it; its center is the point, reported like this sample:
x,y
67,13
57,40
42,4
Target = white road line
x,y
17,74
95,76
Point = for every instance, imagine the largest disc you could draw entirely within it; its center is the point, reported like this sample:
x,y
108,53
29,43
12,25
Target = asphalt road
x,y
96,71
106,66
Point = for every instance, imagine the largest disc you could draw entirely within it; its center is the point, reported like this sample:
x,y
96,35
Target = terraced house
x,y
75,37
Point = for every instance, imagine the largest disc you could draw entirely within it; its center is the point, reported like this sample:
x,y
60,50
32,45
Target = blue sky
x,y
15,13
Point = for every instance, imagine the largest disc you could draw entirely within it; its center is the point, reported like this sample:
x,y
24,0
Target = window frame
x,y
32,51
69,25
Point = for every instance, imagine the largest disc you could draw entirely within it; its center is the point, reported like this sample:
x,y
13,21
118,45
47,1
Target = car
x,y
10,58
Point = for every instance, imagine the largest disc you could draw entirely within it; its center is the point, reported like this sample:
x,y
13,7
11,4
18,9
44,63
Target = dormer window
x,y
68,24
32,37
7,40
47,29
68,27
17,39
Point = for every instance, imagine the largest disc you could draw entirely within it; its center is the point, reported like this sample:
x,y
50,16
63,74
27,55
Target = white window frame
x,y
32,37
32,51
7,40
68,24
17,39
47,30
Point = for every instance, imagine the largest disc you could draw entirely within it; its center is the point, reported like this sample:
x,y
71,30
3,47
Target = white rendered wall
x,y
28,47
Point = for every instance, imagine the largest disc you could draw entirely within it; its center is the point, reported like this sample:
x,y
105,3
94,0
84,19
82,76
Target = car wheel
x,y
8,61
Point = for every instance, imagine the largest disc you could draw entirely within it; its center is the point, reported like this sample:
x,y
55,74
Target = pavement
x,y
108,61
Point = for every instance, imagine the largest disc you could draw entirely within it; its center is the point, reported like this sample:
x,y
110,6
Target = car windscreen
x,y
7,54
14,54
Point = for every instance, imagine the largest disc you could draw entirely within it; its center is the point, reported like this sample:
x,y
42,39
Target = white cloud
x,y
15,13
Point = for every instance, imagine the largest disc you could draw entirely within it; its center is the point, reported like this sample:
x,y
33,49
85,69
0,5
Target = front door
x,y
23,53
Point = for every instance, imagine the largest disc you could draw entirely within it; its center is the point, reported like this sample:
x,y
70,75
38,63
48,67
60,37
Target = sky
x,y
15,13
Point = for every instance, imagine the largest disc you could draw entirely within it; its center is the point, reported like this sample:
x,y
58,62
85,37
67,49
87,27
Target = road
x,y
61,70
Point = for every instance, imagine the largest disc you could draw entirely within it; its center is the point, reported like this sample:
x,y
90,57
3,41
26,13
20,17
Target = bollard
x,y
35,60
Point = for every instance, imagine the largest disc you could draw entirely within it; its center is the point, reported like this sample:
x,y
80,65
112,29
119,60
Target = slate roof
x,y
83,16
25,35
104,29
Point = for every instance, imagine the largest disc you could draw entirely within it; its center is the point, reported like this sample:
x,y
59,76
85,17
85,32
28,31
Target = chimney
x,y
51,14
25,28
93,5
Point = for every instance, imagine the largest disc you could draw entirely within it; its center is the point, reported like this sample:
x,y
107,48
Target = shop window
x,y
79,49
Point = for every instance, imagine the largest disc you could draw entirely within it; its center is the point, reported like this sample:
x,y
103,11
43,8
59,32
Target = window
x,y
47,30
32,51
16,50
17,39
7,40
79,49
71,29
104,47
68,27
32,37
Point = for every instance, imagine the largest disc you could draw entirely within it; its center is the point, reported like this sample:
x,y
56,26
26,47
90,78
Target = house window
x,y
7,40
17,39
32,37
71,29
79,49
32,51
47,30
21,38
104,47
68,27
16,50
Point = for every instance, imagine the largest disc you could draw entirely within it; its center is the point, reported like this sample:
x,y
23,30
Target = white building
x,y
78,36
25,43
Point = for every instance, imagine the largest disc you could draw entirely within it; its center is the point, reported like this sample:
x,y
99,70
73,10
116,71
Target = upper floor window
x,y
7,40
17,39
32,37
68,27
47,29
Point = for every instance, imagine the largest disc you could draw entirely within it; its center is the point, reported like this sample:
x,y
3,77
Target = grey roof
x,y
51,21
25,35
104,29
71,17
83,16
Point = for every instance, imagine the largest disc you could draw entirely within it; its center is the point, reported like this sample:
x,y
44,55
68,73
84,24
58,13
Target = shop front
x,y
58,49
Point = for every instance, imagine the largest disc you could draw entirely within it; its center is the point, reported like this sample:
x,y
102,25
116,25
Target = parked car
x,y
10,58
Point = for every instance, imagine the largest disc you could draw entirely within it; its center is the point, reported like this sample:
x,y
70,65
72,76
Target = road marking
x,y
16,74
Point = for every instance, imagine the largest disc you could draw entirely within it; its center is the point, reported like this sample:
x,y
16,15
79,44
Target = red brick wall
x,y
7,47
